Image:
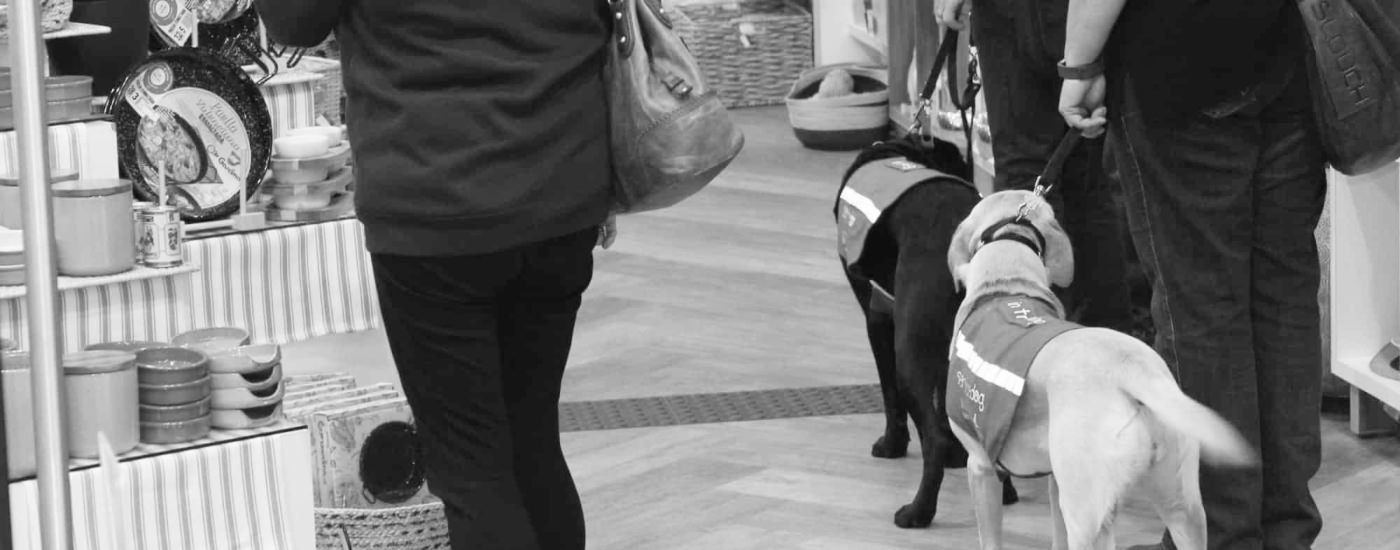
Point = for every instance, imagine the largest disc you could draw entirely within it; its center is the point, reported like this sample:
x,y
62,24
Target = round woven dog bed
x,y
840,123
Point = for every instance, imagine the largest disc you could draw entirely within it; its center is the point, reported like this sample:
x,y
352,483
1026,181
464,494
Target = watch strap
x,y
1082,72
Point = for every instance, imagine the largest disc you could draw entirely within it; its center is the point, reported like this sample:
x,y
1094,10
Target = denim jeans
x,y
1222,209
480,343
1019,42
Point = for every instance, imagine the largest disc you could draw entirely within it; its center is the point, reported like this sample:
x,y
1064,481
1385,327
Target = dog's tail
x,y
1221,444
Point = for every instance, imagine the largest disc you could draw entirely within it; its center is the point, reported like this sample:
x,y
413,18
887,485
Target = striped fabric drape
x,y
248,494
90,148
283,285
291,101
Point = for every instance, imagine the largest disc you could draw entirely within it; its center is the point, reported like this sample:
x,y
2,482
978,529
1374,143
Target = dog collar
x,y
1038,246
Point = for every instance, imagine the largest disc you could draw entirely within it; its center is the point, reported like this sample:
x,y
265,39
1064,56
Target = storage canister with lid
x,y
10,198
93,228
18,402
101,391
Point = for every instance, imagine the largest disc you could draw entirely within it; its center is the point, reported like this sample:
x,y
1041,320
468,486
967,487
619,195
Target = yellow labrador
x,y
1098,410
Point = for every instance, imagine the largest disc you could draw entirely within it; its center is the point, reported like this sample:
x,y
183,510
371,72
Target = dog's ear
x,y
960,252
1059,255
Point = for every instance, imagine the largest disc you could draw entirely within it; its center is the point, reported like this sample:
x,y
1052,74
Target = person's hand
x,y
1081,104
607,233
950,13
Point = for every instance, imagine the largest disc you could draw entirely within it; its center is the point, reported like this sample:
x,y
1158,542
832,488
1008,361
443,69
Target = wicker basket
x,y
749,50
421,527
53,16
841,123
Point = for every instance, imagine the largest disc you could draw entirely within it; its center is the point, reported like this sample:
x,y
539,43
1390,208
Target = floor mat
x,y
706,408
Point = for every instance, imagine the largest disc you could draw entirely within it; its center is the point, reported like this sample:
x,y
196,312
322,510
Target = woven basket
x,y
53,16
750,50
421,527
845,122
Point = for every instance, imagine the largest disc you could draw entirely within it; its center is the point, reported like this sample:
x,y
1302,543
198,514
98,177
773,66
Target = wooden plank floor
x,y
739,289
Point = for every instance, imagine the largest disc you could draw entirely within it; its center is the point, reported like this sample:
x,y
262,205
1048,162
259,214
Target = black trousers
x,y
480,343
1019,42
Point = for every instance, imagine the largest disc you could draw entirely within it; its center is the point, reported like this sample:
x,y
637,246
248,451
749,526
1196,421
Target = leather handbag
x,y
1354,77
669,132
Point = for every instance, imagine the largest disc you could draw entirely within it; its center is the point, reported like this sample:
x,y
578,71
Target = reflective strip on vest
x,y
871,190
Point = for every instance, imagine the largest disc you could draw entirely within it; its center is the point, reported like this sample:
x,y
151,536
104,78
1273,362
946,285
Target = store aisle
x,y
739,289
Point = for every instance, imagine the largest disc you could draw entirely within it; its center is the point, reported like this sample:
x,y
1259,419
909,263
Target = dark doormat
x,y
708,408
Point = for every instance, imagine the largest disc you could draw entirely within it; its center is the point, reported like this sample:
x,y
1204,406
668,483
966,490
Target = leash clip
x,y
1039,191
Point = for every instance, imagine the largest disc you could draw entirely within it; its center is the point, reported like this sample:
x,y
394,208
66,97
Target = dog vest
x,y
991,354
866,195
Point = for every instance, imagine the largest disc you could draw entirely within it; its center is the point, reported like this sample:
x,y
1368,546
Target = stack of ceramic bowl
x,y
11,257
67,98
248,387
175,394
310,175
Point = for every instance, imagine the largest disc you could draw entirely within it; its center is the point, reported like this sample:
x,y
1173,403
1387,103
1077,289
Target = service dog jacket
x,y
871,190
991,354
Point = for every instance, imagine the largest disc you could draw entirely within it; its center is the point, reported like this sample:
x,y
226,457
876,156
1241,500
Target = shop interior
x,y
215,315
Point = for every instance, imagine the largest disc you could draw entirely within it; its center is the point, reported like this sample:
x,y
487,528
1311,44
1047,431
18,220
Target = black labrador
x,y
906,255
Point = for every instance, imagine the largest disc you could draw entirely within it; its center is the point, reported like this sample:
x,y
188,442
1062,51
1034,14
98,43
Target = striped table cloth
x,y
283,285
250,492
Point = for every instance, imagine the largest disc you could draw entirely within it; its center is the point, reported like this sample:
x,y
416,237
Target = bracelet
x,y
1082,72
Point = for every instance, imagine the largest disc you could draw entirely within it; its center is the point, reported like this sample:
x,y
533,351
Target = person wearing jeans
x,y
1208,116
1018,44
483,176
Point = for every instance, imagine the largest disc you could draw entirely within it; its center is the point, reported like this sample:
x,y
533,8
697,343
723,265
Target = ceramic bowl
x,y
166,366
133,346
246,418
247,398
166,433
212,340
260,380
12,275
176,413
308,196
175,394
246,359
309,170
302,146
332,134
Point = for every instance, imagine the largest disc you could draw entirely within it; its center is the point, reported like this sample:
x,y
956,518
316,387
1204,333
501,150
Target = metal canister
x,y
162,237
136,209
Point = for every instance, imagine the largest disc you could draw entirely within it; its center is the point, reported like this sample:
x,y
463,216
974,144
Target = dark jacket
x,y
477,125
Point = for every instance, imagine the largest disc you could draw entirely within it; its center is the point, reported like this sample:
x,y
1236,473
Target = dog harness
x,y
991,354
871,190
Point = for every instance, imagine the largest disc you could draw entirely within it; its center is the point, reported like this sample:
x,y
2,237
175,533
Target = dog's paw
x,y
910,518
890,447
1009,495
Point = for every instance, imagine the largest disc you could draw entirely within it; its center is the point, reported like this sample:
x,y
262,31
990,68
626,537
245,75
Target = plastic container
x,y
18,401
166,366
307,196
10,197
102,398
92,225
169,433
176,413
183,393
310,170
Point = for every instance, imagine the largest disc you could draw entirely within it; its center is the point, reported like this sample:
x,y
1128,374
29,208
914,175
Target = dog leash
x,y
963,103
1054,170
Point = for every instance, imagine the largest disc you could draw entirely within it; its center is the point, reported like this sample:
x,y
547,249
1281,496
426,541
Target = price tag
x,y
176,19
145,92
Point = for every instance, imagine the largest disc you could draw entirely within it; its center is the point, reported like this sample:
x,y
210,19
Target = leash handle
x,y
946,47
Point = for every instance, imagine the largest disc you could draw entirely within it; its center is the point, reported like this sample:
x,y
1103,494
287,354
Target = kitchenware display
x,y
297,197
164,366
182,393
133,346
260,380
176,413
101,396
10,196
18,403
204,118
304,146
169,433
243,419
245,359
212,341
96,234
368,456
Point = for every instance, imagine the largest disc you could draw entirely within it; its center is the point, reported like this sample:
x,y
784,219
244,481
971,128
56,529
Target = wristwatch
x,y
1082,72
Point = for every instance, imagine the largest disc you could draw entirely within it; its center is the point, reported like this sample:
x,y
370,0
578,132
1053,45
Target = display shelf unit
x,y
139,273
1365,289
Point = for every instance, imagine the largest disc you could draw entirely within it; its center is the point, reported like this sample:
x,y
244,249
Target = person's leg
x,y
537,330
1188,196
440,315
1288,198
